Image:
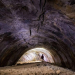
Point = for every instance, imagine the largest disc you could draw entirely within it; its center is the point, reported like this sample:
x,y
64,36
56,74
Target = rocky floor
x,y
35,69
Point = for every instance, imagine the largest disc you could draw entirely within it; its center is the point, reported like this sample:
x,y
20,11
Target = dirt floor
x,y
39,68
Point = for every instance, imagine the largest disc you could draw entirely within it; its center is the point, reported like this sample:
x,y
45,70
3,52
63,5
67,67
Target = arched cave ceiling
x,y
27,24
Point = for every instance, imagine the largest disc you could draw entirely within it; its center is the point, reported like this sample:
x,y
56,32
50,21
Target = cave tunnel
x,y
36,55
43,30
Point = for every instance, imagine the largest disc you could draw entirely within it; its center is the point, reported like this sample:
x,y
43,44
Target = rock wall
x,y
27,24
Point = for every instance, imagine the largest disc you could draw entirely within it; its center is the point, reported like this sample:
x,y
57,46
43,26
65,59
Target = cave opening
x,y
36,55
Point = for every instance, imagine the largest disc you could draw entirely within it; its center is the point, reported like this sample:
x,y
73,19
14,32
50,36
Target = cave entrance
x,y
36,55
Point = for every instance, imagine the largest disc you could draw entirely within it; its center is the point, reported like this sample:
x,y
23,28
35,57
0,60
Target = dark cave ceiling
x,y
27,24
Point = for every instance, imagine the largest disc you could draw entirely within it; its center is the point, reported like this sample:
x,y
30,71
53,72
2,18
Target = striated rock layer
x,y
27,24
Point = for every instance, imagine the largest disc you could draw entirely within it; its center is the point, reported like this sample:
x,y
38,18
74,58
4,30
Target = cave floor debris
x,y
39,68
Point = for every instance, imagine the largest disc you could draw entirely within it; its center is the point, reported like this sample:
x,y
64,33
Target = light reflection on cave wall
x,y
34,55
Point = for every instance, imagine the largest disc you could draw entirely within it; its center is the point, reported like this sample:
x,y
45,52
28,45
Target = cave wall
x,y
27,24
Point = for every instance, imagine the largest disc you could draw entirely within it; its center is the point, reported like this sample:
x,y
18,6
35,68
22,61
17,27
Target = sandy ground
x,y
39,68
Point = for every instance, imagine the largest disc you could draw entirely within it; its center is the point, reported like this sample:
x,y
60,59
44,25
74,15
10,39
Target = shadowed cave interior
x,y
37,31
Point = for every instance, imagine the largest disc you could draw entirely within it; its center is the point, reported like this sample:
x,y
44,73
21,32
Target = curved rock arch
x,y
21,30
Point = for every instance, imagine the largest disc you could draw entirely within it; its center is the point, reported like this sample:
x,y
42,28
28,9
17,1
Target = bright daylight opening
x,y
36,55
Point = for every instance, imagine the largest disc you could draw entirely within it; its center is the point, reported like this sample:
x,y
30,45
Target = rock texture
x,y
27,24
35,69
65,6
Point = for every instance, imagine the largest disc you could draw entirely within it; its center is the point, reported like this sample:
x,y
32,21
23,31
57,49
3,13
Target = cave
x,y
37,33
36,55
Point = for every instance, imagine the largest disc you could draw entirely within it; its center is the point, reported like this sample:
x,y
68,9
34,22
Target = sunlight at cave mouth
x,y
36,55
